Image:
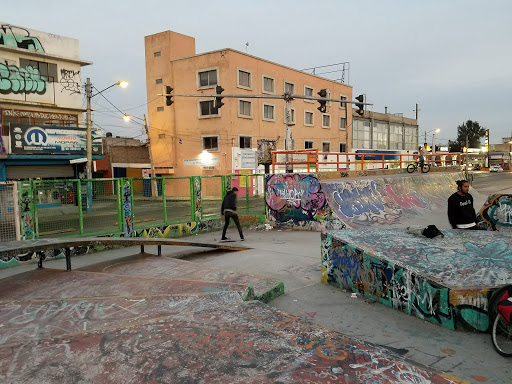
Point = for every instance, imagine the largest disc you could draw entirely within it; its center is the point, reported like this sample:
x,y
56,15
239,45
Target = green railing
x,y
64,208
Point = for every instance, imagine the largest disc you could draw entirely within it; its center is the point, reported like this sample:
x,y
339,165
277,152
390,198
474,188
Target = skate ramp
x,y
395,201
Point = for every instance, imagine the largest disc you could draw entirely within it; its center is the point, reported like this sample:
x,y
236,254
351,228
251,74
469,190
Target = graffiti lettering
x,y
17,37
70,80
21,80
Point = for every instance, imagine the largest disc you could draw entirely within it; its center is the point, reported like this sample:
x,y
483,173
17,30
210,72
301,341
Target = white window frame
x,y
210,150
346,98
238,70
326,142
250,136
294,116
309,141
313,118
288,82
263,112
263,84
252,109
199,116
326,126
339,125
312,93
198,83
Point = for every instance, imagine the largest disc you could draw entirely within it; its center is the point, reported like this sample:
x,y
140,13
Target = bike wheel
x,y
411,168
502,337
425,168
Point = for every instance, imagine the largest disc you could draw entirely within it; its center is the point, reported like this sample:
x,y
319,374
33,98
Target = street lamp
x,y
121,83
437,130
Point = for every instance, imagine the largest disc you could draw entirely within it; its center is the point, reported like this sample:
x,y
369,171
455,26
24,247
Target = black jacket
x,y
460,209
229,202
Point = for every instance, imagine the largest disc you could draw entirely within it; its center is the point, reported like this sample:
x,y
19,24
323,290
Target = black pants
x,y
230,215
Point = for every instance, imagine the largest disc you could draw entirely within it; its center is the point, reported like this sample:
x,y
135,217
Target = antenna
x,y
246,46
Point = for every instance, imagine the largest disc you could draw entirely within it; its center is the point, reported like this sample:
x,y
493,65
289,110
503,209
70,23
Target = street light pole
x,y
89,129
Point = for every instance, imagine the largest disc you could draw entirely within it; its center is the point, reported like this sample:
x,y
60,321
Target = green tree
x,y
470,129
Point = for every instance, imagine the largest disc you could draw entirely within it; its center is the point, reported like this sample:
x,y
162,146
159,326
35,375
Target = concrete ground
x,y
294,258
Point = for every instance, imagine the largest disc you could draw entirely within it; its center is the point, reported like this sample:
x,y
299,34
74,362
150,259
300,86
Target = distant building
x,y
181,132
41,105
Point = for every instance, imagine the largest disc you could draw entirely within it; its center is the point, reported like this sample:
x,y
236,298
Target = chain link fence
x,y
9,216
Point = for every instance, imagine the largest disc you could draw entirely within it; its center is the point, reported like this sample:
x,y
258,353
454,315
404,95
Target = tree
x,y
472,130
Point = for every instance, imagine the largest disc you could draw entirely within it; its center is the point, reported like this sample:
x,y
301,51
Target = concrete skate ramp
x,y
395,201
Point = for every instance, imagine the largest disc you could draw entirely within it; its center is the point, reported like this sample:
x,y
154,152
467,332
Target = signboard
x,y
146,172
265,148
248,160
32,139
212,161
78,161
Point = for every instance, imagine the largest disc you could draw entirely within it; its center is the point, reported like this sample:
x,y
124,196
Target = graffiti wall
x,y
447,281
52,78
298,200
496,213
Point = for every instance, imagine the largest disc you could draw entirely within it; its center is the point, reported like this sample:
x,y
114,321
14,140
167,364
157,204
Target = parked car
x,y
496,168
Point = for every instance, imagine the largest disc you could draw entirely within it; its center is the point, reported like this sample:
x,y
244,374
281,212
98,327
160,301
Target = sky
x,y
451,57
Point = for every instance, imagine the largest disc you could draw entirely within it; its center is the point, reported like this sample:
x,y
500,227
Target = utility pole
x,y
416,110
153,174
288,141
89,146
467,147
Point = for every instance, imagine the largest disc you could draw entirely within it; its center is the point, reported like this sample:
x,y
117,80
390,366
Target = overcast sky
x,y
452,57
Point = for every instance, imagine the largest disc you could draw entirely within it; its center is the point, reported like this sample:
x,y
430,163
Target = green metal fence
x,y
98,206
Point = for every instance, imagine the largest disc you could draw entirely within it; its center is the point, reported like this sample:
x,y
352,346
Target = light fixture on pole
x,y
437,130
89,95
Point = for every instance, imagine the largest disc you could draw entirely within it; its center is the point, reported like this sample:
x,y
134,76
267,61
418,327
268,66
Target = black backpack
x,y
431,231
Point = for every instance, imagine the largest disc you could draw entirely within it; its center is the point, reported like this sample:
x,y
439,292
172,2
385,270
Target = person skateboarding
x,y
461,213
228,210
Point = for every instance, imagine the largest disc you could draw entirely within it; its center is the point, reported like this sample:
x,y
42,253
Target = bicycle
x,y
500,313
414,166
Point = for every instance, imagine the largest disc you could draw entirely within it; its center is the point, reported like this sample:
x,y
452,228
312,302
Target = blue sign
x,y
30,139
388,155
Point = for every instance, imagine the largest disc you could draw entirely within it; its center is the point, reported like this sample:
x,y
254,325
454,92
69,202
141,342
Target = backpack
x,y
431,231
505,306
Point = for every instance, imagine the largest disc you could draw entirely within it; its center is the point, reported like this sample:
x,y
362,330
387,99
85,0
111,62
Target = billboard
x,y
32,139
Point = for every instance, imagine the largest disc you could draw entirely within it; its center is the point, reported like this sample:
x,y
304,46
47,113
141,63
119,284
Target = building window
x,y
269,112
308,91
343,147
326,147
244,79
159,81
396,136
47,71
343,123
159,109
207,109
342,104
308,144
308,118
161,135
380,136
157,54
245,142
207,78
289,87
411,138
326,121
269,84
211,143
245,109
361,134
292,116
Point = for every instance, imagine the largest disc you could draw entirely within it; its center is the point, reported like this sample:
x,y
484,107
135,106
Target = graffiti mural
x,y
298,200
496,213
17,37
127,210
198,198
27,211
447,281
70,80
14,79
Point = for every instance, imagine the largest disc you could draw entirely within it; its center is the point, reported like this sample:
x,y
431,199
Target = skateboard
x,y
226,241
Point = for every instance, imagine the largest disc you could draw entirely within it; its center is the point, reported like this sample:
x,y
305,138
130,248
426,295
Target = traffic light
x,y
218,99
168,96
323,103
487,139
360,111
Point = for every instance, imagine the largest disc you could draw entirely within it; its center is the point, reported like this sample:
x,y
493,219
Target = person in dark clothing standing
x,y
461,213
228,210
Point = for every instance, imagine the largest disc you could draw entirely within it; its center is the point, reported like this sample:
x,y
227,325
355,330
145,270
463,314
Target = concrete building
x,y
181,132
41,105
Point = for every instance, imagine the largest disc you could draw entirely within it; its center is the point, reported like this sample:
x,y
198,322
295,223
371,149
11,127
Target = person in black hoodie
x,y
228,210
461,213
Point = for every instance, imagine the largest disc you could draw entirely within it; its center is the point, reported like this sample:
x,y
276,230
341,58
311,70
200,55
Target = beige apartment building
x,y
181,132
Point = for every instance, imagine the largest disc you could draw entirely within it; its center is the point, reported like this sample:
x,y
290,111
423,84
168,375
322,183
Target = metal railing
x,y
314,160
61,208
9,212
